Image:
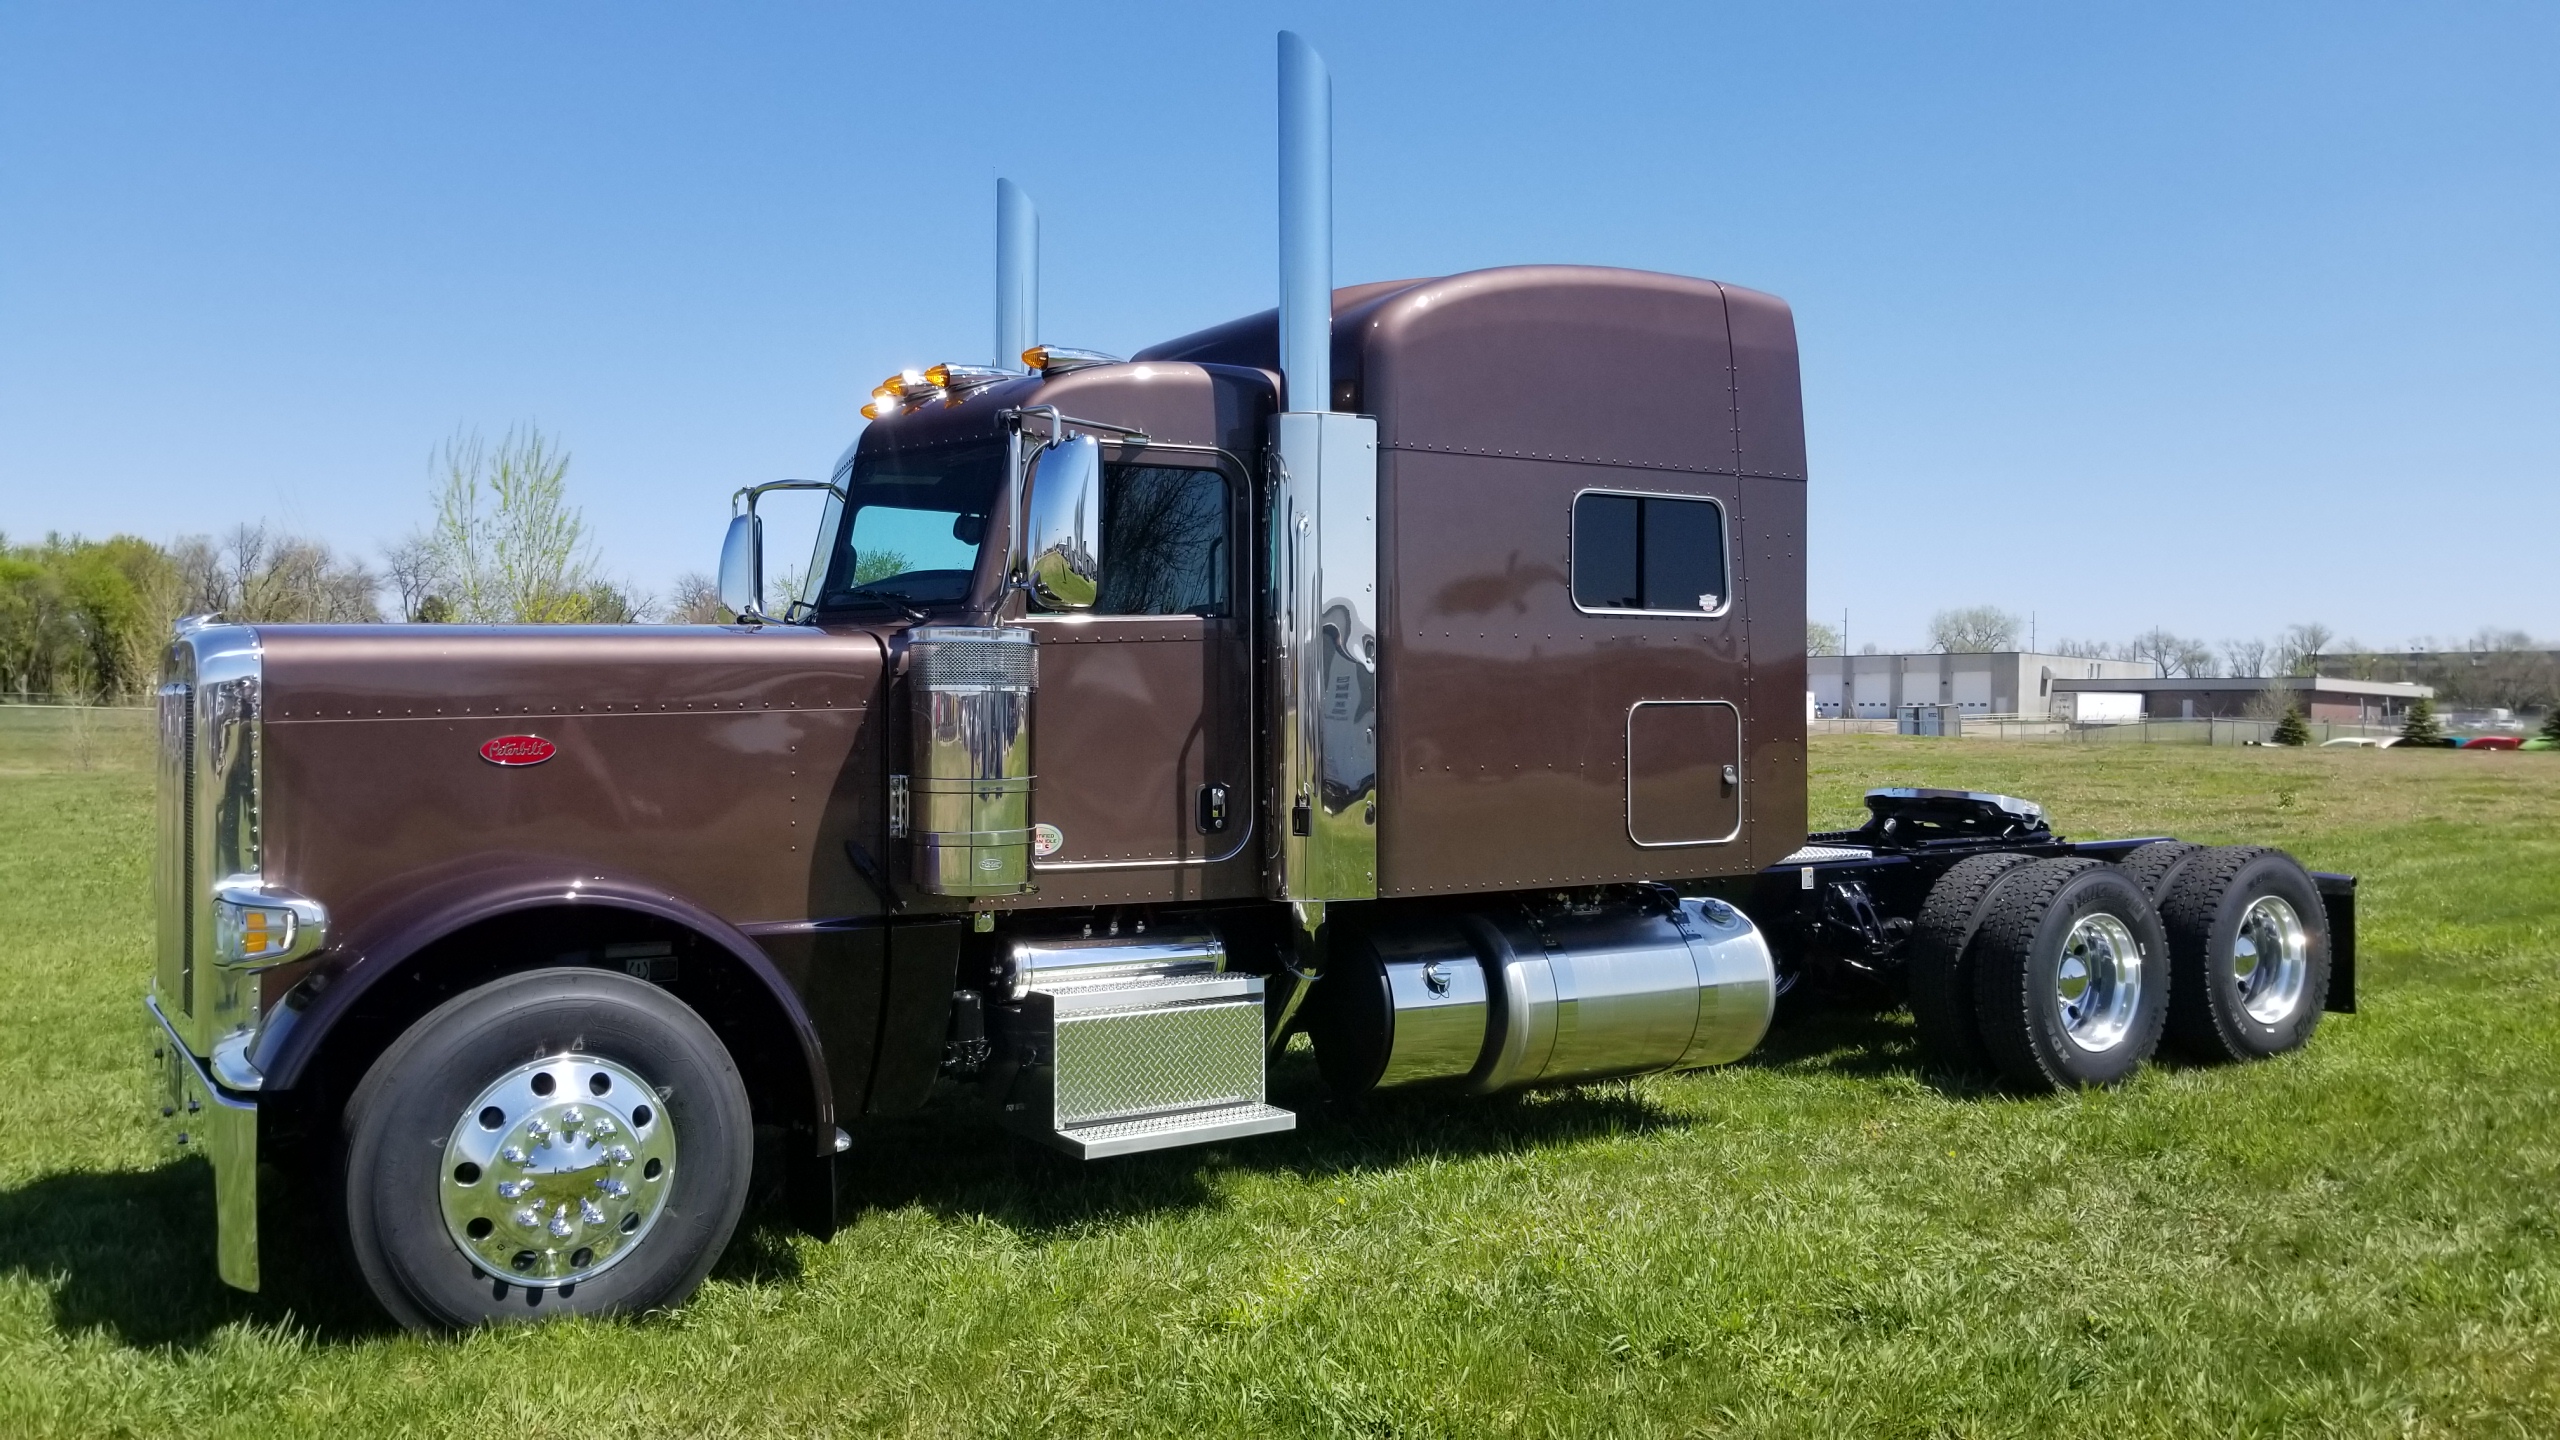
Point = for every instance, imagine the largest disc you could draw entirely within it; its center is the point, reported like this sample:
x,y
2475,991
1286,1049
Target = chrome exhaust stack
x,y
1323,468
1017,276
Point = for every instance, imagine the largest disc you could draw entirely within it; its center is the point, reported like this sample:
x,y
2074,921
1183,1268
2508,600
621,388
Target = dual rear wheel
x,y
2063,973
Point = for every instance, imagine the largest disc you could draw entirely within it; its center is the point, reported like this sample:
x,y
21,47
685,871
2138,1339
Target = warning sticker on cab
x,y
1047,840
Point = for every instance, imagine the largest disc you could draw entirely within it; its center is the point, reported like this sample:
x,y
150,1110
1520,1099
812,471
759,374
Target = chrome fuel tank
x,y
1542,994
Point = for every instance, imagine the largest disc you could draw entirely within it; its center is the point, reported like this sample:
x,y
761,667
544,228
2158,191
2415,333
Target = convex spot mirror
x,y
742,566
1065,529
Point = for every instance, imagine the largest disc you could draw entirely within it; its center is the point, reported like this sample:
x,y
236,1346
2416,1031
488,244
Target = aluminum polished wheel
x,y
557,1169
2269,959
2099,981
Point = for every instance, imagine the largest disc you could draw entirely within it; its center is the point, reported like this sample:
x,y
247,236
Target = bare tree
x,y
1974,628
2298,650
2271,702
410,566
2086,649
1820,639
696,602
2175,654
506,545
2360,663
256,574
2246,658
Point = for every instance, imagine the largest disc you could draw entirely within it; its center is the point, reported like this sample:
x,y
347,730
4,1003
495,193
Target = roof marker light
x,y
1058,359
959,380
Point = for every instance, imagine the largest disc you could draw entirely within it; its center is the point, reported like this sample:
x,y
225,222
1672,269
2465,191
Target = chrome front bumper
x,y
222,1125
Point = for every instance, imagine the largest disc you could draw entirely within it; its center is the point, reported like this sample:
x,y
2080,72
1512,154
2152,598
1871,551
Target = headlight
x,y
256,925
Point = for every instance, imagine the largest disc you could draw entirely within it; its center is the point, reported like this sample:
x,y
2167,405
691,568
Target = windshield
x,y
913,521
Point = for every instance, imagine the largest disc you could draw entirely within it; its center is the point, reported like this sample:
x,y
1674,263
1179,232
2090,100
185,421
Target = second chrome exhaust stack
x,y
1324,521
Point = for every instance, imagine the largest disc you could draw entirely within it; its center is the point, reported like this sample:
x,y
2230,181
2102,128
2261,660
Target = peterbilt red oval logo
x,y
518,750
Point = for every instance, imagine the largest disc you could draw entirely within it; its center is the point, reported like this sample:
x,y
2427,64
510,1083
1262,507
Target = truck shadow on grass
x,y
130,1254
973,1169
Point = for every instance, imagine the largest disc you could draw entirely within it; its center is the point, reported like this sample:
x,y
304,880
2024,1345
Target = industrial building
x,y
2230,697
1996,682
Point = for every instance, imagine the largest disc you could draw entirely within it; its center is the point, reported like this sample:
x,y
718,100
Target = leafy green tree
x,y
84,618
506,546
2421,728
1820,639
2291,730
879,565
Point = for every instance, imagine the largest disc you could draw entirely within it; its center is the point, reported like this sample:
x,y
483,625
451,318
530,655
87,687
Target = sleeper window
x,y
1648,552
1165,547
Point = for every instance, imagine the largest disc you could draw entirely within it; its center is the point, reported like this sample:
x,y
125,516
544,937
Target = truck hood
x,y
729,765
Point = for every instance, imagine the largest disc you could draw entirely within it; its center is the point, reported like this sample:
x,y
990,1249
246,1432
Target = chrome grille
x,y
208,805
1136,1062
173,856
956,658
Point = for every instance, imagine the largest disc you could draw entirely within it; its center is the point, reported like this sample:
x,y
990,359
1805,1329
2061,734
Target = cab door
x,y
1142,725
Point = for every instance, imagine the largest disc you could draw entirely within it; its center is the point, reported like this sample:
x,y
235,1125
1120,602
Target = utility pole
x,y
1848,658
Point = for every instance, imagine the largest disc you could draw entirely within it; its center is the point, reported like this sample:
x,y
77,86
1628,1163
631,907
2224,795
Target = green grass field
x,y
2363,1238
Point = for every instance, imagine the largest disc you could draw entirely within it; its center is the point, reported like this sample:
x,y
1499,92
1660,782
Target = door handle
x,y
1212,812
1732,778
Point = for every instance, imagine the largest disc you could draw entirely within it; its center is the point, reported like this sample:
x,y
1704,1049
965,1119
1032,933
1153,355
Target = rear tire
x,y
1940,968
2071,976
2249,950
618,1141
2156,866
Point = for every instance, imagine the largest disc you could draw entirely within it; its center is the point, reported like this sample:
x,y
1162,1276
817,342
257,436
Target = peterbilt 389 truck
x,y
1416,667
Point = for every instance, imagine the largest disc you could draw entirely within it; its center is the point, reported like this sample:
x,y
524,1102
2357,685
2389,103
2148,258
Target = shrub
x,y
2421,727
2290,730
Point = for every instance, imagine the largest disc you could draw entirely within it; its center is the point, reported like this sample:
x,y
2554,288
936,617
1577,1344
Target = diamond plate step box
x,y
1119,1066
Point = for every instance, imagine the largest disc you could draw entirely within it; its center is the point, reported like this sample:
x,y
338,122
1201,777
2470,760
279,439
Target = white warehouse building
x,y
1998,682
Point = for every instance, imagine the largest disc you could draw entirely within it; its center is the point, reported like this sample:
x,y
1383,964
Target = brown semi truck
x,y
1417,667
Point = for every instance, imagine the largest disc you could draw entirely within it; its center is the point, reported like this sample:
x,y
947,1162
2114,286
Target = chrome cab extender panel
x,y
1323,517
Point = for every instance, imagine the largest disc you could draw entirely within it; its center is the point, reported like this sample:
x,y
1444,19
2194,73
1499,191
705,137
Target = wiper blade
x,y
903,602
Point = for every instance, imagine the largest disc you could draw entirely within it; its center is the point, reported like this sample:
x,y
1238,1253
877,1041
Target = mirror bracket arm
x,y
754,614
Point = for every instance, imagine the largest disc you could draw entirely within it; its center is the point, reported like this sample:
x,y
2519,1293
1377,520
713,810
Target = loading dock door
x,y
1684,772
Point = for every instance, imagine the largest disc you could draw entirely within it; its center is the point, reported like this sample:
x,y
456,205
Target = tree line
x,y
2492,668
86,619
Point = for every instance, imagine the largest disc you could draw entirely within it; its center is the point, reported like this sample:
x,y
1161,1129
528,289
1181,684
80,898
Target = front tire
x,y
2071,975
561,1141
2249,944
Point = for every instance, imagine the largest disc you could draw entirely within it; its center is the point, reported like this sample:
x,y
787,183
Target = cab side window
x,y
1648,552
1166,542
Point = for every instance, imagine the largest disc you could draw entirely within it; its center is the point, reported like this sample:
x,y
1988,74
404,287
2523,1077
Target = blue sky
x,y
2206,316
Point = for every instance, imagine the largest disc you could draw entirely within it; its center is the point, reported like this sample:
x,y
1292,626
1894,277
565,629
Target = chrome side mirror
x,y
742,567
1065,525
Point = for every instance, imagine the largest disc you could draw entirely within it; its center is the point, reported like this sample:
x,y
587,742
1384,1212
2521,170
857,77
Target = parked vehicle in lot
x,y
1417,666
